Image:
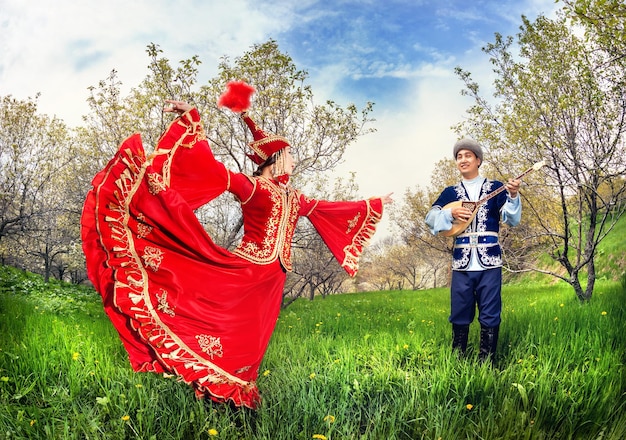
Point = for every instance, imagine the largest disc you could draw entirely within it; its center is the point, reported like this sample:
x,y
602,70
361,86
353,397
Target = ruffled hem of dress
x,y
114,189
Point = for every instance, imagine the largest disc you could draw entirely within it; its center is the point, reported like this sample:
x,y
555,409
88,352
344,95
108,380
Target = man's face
x,y
467,164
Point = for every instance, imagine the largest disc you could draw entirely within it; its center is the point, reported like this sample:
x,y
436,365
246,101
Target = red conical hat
x,y
237,98
264,145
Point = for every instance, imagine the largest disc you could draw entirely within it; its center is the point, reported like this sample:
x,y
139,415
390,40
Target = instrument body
x,y
458,226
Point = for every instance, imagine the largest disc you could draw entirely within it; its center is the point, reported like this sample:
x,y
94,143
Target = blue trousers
x,y
471,289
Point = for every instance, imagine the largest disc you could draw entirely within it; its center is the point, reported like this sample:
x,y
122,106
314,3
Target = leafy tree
x,y
315,269
604,21
559,99
283,104
34,152
415,236
377,267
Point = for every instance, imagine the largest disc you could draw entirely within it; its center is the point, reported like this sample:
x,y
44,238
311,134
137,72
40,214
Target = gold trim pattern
x,y
352,223
210,345
156,183
352,252
163,304
152,257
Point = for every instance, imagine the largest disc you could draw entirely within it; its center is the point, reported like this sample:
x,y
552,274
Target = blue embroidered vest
x,y
481,236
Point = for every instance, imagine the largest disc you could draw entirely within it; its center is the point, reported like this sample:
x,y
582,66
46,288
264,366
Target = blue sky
x,y
400,54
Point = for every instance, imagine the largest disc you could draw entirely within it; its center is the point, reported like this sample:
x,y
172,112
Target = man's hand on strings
x,y
462,214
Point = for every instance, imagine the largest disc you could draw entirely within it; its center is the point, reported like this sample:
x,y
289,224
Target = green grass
x,y
610,257
360,366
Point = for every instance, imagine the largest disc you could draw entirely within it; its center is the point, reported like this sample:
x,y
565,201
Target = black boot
x,y
459,337
488,343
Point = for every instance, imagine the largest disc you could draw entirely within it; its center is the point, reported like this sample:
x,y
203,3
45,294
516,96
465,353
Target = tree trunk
x,y
578,289
591,279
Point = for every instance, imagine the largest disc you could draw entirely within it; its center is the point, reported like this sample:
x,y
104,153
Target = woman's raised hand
x,y
179,107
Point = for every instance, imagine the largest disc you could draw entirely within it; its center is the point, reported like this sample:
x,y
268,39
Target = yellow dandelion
x,y
266,373
338,315
405,346
562,305
4,378
603,313
138,385
319,436
312,376
75,356
126,418
32,422
329,418
213,432
469,406
556,318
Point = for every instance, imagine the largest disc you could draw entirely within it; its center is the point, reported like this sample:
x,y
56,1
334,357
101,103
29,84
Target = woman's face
x,y
288,161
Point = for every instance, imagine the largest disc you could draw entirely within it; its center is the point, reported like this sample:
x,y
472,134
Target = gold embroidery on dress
x,y
163,304
352,223
279,226
266,253
210,345
143,230
152,257
155,183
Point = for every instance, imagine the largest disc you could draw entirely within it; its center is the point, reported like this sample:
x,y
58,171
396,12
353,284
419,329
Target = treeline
x,y
559,97
46,167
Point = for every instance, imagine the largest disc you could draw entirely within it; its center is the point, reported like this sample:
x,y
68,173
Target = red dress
x,y
180,303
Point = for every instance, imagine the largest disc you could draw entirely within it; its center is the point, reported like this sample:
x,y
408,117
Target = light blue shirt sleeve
x,y
439,220
512,211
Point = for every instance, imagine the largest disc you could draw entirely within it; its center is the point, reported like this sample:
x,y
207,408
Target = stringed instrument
x,y
459,226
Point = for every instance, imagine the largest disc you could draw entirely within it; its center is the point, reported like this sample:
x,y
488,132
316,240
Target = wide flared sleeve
x,y
345,227
185,161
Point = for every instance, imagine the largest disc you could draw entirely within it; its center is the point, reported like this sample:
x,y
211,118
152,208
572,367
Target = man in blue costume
x,y
477,255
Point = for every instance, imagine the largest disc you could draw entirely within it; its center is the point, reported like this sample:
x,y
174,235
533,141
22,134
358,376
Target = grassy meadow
x,y
359,366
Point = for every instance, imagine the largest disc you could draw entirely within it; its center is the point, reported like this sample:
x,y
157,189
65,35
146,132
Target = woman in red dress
x,y
180,303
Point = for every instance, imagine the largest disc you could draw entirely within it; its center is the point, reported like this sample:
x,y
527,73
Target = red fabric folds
x,y
180,303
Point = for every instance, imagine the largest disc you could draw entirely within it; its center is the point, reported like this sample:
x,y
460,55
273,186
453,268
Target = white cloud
x,y
62,48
